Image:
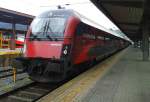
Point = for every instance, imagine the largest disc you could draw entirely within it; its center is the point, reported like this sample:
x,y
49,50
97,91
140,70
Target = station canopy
x,y
128,15
10,17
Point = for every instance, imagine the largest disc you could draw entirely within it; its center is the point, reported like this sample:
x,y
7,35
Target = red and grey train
x,y
57,40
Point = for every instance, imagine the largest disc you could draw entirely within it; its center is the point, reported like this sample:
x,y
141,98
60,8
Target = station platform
x,y
123,77
8,51
6,56
9,81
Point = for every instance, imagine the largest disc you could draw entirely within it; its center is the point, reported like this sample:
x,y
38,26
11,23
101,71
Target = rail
x,y
29,93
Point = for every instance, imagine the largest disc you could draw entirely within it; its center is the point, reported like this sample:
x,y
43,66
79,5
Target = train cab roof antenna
x,y
60,7
67,4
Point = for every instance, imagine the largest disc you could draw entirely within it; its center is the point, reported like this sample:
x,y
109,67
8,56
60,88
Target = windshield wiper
x,y
49,37
33,37
54,38
47,27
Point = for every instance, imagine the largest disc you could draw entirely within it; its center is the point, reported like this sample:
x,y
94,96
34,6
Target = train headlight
x,y
66,50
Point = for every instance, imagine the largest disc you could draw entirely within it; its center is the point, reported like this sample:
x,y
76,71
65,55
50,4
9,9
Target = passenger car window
x,y
81,29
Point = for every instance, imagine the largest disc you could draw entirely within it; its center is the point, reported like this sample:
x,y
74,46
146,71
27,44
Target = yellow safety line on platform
x,y
10,53
77,88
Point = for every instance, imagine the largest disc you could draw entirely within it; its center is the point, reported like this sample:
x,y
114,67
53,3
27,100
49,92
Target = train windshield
x,y
50,27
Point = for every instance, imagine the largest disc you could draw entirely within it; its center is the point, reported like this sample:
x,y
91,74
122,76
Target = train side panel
x,y
91,43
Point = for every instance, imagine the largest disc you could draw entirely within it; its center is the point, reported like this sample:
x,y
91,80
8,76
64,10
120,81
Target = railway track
x,y
34,91
23,92
29,93
6,72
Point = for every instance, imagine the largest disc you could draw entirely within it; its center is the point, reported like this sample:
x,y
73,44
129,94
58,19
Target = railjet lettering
x,y
90,36
56,44
100,37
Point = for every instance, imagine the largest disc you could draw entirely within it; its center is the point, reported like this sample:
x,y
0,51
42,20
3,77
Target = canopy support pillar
x,y
13,36
145,42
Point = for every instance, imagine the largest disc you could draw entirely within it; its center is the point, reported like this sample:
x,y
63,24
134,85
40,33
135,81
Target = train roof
x,y
71,12
96,25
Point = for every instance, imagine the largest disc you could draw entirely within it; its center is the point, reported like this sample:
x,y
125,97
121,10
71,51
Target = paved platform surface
x,y
127,81
121,78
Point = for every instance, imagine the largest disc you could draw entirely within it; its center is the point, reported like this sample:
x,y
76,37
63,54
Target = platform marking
x,y
10,53
77,88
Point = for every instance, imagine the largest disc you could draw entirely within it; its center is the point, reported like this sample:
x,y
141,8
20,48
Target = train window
x,y
81,29
107,38
53,27
55,13
100,37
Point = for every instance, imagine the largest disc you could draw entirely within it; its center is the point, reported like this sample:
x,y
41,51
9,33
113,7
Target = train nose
x,y
44,49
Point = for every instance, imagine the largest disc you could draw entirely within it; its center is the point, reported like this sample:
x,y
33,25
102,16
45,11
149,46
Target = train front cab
x,y
48,46
56,41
